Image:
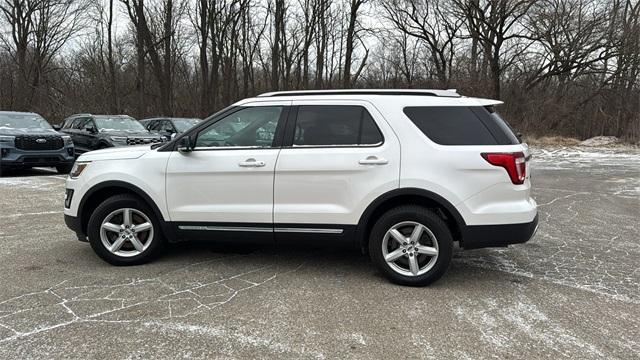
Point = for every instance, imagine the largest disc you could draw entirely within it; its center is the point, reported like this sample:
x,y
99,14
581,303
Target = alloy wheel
x,y
126,232
410,248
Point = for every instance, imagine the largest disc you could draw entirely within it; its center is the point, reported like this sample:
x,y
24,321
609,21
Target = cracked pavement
x,y
571,292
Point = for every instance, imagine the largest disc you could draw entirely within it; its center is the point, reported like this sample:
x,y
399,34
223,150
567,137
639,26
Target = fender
x,y
363,223
132,188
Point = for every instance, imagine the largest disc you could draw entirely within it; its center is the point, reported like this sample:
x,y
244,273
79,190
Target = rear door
x,y
338,156
226,183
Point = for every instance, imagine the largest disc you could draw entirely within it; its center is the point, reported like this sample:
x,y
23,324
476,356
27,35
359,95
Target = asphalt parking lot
x,y
571,292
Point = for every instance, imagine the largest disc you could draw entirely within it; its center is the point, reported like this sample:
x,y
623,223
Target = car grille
x,y
39,142
141,141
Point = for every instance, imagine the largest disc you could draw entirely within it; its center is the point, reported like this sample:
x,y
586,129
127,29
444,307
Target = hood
x,y
16,132
116,153
131,133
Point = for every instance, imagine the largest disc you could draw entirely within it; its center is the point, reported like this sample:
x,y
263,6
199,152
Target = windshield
x,y
183,125
23,121
119,123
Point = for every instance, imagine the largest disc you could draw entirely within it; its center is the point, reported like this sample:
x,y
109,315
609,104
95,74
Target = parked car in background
x,y
93,132
27,140
169,127
402,174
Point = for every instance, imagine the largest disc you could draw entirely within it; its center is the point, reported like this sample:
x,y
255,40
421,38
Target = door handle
x,y
251,163
373,160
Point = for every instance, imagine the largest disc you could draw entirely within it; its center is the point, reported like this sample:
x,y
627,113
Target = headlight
x,y
77,169
67,140
121,139
7,139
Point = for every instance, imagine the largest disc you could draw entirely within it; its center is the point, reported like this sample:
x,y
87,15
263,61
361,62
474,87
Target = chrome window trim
x,y
337,146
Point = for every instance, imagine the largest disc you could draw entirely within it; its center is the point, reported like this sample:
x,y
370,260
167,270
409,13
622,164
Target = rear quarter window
x,y
461,125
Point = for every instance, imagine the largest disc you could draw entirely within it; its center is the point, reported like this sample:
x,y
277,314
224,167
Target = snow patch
x,y
600,141
567,157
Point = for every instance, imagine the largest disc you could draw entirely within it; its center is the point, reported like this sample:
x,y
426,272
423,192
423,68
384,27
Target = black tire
x,y
64,169
111,205
430,220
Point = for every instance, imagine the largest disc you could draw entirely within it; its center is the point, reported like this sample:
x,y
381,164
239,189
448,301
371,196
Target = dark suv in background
x,y
27,140
93,132
169,127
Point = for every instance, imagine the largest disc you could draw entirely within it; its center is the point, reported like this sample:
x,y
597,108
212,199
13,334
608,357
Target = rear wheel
x,y
411,245
123,230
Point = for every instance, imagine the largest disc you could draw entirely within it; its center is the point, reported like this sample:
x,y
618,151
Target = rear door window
x,y
335,125
461,125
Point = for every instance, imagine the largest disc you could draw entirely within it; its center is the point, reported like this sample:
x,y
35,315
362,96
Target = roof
x,y
389,98
405,92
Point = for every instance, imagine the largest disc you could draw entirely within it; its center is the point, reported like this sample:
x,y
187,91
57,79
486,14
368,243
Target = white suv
x,y
401,174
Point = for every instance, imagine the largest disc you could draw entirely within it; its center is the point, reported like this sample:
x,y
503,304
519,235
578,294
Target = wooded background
x,y
563,67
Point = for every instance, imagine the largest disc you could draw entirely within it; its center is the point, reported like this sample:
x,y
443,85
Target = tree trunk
x,y
351,30
113,83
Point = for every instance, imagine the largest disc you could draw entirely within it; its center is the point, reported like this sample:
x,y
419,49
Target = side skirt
x,y
321,234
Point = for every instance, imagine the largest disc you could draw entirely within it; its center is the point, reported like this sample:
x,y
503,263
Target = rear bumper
x,y
482,236
73,223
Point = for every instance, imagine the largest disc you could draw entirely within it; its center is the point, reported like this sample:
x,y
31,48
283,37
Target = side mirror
x,y
56,127
173,135
184,145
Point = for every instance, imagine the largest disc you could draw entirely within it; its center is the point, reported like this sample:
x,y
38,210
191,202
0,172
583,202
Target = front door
x,y
226,182
82,137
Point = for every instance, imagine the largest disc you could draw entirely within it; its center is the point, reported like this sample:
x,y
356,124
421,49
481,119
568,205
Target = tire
x,y
64,169
432,256
150,241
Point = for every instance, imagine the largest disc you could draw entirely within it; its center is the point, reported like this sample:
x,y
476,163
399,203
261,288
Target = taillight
x,y
515,164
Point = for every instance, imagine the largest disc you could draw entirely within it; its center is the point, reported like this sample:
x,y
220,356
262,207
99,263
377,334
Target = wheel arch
x,y
404,196
100,192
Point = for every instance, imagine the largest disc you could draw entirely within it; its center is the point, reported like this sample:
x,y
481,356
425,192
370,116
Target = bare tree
x,y
352,33
563,67
431,23
495,23
38,31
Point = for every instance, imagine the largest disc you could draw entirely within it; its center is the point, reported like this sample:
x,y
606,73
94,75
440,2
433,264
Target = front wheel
x,y
123,230
411,245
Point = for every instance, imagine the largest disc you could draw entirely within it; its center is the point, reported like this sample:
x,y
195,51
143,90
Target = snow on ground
x,y
558,158
595,161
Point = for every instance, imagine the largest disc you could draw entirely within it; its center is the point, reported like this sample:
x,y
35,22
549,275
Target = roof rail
x,y
414,92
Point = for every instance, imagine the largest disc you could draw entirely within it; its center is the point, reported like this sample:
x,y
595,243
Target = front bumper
x,y
17,158
482,236
73,223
